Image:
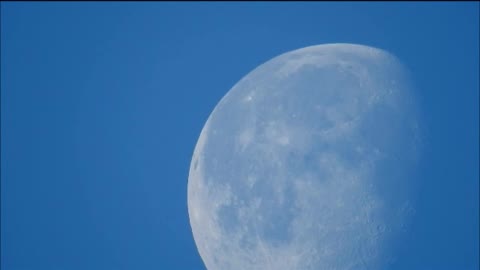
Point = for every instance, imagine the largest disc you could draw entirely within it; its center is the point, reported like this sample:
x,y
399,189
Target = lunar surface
x,y
307,164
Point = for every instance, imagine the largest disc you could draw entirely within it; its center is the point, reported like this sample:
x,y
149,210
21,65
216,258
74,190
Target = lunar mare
x,y
306,163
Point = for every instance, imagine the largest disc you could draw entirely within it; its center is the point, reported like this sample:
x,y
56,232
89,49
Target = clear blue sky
x,y
102,104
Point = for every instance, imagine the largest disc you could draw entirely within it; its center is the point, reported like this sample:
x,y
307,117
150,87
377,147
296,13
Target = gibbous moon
x,y
307,164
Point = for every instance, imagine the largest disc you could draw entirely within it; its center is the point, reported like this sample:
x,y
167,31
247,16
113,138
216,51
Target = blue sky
x,y
102,104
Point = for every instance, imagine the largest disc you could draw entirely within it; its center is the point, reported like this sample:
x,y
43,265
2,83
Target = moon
x,y
308,163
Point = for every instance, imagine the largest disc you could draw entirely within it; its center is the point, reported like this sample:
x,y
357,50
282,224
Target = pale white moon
x,y
305,164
